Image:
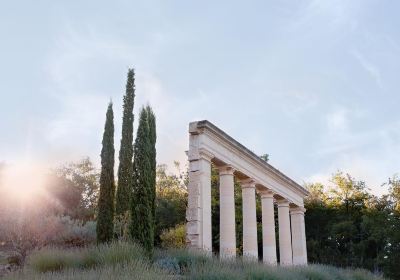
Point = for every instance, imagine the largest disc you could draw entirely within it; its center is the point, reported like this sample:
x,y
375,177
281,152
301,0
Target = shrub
x,y
169,265
76,233
174,237
52,259
29,231
121,260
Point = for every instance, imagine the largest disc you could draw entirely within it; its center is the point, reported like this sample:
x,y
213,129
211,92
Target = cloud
x,y
295,103
369,67
334,15
79,69
337,121
369,154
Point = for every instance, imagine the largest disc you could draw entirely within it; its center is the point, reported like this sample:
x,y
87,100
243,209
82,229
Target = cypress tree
x,y
105,216
153,153
142,225
126,149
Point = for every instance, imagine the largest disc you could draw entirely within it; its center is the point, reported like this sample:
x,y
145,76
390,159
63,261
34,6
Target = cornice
x,y
206,126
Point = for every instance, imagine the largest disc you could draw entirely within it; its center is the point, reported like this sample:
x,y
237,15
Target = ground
x,y
129,261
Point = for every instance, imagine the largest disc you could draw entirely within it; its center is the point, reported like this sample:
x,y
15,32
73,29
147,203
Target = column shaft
x,y
268,228
198,212
250,248
285,243
298,236
206,205
227,232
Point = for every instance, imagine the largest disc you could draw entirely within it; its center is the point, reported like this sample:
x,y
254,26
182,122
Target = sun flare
x,y
22,182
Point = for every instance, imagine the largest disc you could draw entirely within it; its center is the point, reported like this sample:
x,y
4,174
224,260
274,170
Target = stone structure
x,y
210,145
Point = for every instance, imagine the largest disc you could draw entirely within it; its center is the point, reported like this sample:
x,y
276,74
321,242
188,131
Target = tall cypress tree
x,y
126,149
142,225
153,153
105,216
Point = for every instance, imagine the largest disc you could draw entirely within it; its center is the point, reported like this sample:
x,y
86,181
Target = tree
x,y
171,200
153,154
265,157
142,224
126,150
394,190
107,186
74,187
349,192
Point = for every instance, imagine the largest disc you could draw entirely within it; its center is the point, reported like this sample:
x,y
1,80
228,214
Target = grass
x,y
129,261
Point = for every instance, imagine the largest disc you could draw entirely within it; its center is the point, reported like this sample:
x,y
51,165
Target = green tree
x,y
74,189
142,225
394,190
126,150
348,192
265,157
153,154
107,186
171,200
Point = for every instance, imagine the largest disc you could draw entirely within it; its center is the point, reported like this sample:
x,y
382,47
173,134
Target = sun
x,y
22,182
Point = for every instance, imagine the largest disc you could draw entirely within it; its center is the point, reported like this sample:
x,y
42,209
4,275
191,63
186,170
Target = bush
x,y
174,237
75,233
169,265
33,230
121,260
53,259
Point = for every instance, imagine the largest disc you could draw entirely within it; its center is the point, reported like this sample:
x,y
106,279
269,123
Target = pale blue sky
x,y
312,83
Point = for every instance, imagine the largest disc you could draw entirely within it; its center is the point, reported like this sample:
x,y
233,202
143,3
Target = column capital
x,y
266,194
248,183
204,154
282,202
226,170
297,210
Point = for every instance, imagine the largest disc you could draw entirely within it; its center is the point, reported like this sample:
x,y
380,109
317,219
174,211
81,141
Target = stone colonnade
x,y
208,144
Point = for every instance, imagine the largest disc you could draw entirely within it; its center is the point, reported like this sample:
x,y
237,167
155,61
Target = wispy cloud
x,y
369,67
369,154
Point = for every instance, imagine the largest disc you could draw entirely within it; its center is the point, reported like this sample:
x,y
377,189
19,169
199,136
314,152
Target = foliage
x,y
171,200
105,217
54,259
153,161
125,261
28,231
346,226
121,226
394,189
265,157
124,190
75,233
142,225
174,237
74,189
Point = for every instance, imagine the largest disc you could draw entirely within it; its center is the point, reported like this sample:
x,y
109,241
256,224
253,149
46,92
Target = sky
x,y
315,84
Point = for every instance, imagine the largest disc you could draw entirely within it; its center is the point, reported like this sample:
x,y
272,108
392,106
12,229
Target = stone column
x,y
285,243
227,239
198,212
268,227
250,248
298,236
